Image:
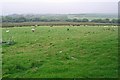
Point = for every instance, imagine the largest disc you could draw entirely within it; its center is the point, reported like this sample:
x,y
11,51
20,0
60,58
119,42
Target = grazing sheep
x,y
33,30
36,25
105,26
114,26
7,30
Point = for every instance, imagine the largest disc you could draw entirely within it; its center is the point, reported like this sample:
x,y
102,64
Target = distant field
x,y
93,16
61,52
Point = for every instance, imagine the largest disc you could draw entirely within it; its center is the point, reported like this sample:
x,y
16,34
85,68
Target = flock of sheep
x,y
33,28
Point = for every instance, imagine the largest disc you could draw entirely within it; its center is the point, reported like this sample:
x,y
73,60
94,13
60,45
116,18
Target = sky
x,y
58,6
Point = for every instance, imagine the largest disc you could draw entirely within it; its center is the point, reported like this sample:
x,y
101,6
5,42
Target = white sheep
x,y
7,31
33,30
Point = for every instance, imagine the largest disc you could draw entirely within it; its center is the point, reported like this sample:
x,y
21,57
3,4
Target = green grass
x,y
54,52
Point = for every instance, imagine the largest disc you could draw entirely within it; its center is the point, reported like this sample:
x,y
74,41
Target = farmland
x,y
60,52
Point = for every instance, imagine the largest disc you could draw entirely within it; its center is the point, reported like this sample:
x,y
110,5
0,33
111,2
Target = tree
x,y
114,21
85,20
21,19
106,21
97,20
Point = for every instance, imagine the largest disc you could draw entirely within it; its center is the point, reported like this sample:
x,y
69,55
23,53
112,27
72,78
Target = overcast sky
x,y
58,6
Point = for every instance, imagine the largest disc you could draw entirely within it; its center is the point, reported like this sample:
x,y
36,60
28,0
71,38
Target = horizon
x,y
116,14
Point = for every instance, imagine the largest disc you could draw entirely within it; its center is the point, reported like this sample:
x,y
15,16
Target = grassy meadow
x,y
60,52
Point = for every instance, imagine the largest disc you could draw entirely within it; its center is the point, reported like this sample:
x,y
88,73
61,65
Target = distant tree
x,y
22,19
84,20
106,20
118,21
7,19
75,20
36,19
69,20
97,20
114,21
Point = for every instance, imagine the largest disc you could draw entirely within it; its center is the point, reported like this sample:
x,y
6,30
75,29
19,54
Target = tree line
x,y
25,19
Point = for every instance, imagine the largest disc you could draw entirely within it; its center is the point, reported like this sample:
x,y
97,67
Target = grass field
x,y
55,52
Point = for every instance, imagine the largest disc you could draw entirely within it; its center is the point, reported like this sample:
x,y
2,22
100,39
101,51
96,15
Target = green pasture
x,y
60,52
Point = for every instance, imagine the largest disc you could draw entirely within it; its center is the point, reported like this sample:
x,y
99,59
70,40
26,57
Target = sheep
x,y
36,25
105,26
114,26
7,31
33,30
